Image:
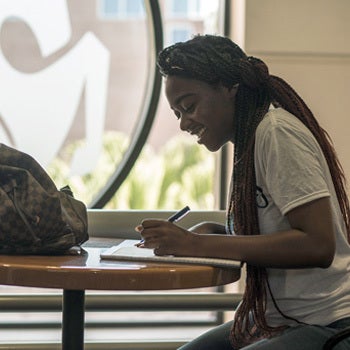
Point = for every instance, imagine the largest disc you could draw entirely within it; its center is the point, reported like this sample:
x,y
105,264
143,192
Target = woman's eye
x,y
177,115
183,109
188,109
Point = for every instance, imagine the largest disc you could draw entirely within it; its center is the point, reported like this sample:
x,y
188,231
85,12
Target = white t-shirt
x,y
290,171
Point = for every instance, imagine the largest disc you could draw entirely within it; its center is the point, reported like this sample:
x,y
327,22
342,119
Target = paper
x,y
128,251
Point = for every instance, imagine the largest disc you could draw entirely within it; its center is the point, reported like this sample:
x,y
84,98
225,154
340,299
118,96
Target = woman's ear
x,y
233,90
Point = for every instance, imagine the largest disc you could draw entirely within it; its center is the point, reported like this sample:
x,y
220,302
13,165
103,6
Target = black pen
x,y
179,215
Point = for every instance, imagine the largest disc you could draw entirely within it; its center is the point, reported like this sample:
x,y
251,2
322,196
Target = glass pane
x,y
76,80
74,75
180,35
134,7
175,155
179,7
110,6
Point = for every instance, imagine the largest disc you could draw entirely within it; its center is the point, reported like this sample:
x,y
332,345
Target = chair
x,y
336,338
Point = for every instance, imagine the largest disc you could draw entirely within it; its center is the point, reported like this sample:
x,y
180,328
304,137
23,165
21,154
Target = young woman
x,y
288,212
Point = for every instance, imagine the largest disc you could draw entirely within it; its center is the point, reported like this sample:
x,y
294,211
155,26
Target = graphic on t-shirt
x,y
261,200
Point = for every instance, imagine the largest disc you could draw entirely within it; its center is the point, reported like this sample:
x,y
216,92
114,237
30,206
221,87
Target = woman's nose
x,y
184,122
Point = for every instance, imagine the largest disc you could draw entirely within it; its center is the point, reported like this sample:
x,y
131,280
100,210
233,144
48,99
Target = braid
x,y
202,58
287,98
252,103
215,60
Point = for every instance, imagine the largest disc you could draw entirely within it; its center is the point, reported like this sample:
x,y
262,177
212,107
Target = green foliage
x,y
182,173
188,175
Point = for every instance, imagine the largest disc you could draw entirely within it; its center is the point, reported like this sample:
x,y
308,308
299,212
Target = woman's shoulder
x,y
279,117
280,120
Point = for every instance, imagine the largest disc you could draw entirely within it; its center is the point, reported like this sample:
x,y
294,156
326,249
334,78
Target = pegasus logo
x,y
38,109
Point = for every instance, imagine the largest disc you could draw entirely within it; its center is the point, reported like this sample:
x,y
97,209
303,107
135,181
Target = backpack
x,y
36,217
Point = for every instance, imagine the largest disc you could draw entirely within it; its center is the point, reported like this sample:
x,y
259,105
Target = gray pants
x,y
301,337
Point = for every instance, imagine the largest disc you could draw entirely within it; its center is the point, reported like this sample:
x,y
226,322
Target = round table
x,y
77,273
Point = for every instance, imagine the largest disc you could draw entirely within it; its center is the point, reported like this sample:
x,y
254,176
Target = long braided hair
x,y
217,60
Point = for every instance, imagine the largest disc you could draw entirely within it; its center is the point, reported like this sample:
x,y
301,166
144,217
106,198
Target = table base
x,y
73,319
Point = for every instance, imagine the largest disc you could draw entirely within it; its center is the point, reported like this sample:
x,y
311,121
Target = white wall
x,y
308,44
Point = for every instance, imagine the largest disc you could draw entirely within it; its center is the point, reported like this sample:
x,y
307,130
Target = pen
x,y
179,215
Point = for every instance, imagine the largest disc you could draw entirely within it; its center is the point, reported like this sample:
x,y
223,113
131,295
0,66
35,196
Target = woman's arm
x,y
208,227
309,243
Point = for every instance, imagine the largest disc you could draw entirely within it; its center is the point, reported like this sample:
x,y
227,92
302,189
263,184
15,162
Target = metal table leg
x,y
73,309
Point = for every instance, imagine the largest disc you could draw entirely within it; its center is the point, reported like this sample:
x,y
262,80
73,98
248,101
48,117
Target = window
x,y
179,7
110,7
85,94
180,34
87,78
121,9
185,8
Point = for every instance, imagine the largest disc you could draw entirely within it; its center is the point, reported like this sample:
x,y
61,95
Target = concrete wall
x,y
308,44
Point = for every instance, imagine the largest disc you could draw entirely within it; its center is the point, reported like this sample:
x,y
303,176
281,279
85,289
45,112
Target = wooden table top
x,y
88,271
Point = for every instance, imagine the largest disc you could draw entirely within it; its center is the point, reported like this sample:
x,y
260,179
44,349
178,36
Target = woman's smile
x,y
198,131
204,110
